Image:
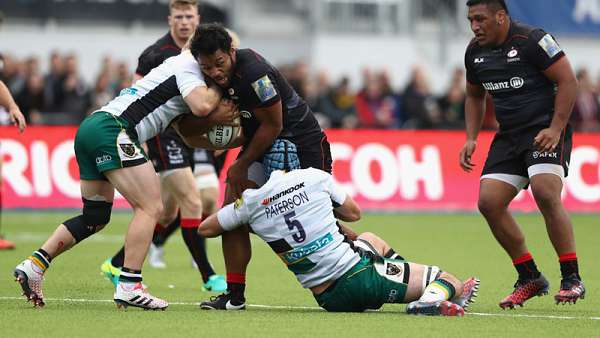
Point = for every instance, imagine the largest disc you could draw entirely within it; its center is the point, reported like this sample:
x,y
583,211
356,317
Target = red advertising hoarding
x,y
382,170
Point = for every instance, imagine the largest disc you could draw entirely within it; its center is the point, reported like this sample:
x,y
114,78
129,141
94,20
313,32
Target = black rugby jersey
x,y
255,83
512,74
156,53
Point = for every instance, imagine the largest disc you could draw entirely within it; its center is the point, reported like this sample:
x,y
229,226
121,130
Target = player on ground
x,y
17,118
273,116
173,161
533,88
295,213
107,147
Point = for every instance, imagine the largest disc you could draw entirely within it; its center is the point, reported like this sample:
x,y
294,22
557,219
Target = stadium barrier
x,y
382,170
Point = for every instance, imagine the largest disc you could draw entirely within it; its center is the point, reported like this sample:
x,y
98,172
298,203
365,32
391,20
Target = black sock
x,y
160,237
569,268
527,270
45,254
130,275
237,289
197,246
119,258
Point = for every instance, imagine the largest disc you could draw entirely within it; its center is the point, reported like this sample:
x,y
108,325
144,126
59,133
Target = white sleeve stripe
x,y
227,218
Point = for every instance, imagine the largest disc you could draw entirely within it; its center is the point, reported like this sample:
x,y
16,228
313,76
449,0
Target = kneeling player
x,y
295,213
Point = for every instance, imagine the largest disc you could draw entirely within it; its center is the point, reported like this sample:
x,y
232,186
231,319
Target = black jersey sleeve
x,y
470,73
146,62
262,86
542,50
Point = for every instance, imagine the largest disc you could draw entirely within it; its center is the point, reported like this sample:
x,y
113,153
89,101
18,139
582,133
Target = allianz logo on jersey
x,y
515,82
297,254
277,196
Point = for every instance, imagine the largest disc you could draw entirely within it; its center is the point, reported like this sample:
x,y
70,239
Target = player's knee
x,y
488,205
378,244
96,215
544,196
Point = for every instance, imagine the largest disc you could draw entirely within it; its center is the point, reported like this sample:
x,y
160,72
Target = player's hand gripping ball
x,y
223,135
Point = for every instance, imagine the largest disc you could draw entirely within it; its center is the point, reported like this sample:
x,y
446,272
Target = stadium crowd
x,y
61,96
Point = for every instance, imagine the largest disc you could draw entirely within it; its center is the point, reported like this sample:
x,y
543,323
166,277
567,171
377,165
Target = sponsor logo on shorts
x,y
103,159
537,154
392,269
128,149
392,296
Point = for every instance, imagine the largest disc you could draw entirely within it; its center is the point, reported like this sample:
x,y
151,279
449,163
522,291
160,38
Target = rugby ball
x,y
222,136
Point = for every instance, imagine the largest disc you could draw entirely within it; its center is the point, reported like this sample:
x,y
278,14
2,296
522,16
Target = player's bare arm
x,y
211,227
474,111
7,101
271,124
562,74
348,211
203,100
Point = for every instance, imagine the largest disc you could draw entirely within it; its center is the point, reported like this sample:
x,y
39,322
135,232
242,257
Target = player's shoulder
x,y
164,48
251,64
526,33
472,47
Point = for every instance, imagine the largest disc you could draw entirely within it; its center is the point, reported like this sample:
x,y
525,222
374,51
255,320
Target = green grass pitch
x,y
79,298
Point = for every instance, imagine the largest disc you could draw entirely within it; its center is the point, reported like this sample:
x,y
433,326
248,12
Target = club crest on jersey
x,y
512,53
128,149
231,91
392,269
549,45
264,88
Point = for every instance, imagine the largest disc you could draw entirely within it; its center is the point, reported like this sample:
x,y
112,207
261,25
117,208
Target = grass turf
x,y
460,244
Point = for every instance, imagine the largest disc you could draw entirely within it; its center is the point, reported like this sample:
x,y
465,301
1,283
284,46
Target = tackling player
x,y
273,116
109,155
533,87
295,214
173,161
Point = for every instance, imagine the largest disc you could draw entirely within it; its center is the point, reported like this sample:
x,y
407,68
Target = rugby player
x,y
275,120
173,161
109,155
295,213
533,88
17,118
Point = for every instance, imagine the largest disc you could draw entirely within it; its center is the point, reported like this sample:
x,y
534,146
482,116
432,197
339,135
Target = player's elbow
x,y
354,215
206,231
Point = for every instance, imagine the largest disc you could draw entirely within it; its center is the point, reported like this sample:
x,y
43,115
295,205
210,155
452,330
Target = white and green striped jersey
x,y
293,213
156,99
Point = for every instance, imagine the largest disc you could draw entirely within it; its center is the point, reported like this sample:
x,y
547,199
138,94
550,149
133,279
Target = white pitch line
x,y
287,307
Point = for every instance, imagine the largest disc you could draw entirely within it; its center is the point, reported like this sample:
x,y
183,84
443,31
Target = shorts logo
x,y
103,159
128,149
392,269
517,82
537,154
264,88
392,296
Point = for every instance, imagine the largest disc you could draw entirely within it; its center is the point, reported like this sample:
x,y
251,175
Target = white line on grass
x,y
286,307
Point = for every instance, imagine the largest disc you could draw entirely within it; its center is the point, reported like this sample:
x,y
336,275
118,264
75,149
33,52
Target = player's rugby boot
x,y
441,308
571,289
524,290
111,272
135,294
224,301
215,283
470,289
30,277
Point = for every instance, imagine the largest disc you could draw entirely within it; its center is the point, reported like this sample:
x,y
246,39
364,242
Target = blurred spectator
x,y
337,107
586,113
102,93
31,99
12,74
452,104
123,77
419,103
54,83
375,107
76,101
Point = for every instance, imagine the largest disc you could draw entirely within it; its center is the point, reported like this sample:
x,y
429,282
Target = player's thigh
x,y
181,184
497,193
139,185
